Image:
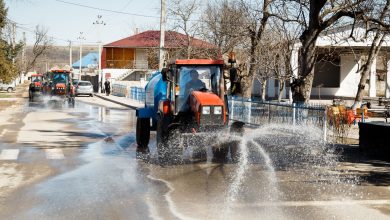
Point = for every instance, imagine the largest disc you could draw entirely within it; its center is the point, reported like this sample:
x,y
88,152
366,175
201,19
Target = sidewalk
x,y
127,102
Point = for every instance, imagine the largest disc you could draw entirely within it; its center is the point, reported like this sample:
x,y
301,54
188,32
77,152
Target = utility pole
x,y
24,68
70,54
99,22
163,21
13,48
81,38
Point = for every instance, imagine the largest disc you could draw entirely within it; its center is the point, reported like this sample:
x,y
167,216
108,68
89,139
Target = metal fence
x,y
259,112
137,93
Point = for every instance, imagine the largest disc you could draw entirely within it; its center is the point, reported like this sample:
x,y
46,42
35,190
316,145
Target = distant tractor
x,y
186,103
59,86
36,87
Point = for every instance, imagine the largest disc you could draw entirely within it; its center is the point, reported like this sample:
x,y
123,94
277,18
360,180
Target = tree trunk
x,y
263,89
366,68
301,87
281,88
247,80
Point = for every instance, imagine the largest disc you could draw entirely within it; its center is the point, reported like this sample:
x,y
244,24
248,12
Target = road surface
x,y
81,163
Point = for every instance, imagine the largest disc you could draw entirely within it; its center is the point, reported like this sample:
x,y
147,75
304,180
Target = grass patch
x,y
4,95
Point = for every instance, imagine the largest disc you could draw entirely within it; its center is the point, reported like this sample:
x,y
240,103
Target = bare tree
x,y
315,16
284,37
41,45
182,13
381,31
222,24
256,15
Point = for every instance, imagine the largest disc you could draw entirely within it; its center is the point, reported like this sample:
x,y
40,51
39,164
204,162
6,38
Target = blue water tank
x,y
155,90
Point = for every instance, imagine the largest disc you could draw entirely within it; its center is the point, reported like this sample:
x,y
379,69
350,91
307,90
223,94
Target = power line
x,y
19,26
121,12
107,10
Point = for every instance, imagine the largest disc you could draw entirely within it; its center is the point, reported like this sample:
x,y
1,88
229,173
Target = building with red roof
x,y
139,53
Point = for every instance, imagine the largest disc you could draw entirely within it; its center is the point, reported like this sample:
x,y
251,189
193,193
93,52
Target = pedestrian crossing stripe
x,y
9,154
54,154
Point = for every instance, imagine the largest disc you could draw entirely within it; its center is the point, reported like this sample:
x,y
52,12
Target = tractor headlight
x,y
217,110
206,110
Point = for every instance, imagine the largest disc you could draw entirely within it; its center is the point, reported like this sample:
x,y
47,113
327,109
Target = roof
x,y
91,59
199,62
151,39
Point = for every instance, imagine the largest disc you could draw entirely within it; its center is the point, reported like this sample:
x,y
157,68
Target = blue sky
x,y
66,21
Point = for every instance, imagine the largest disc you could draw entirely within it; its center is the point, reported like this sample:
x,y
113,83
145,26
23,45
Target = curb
x,y
116,102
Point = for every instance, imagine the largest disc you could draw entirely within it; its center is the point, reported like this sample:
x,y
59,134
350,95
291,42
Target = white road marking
x,y
54,154
319,203
9,154
168,198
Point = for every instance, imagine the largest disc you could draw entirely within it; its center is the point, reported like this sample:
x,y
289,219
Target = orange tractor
x,y
36,87
59,86
187,105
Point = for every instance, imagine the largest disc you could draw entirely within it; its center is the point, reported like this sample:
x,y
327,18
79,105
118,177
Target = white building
x,y
336,70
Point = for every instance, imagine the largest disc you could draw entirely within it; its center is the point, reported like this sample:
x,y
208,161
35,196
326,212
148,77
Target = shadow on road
x,y
372,169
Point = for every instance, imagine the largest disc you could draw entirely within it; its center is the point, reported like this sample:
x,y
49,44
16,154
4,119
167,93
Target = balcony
x,y
127,64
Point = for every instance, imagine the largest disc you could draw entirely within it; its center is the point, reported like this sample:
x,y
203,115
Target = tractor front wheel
x,y
143,132
169,145
220,153
238,129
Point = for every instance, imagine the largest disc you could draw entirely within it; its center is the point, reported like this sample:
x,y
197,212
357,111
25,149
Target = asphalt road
x,y
80,163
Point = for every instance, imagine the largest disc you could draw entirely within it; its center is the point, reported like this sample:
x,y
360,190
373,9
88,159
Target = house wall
x,y
115,73
349,79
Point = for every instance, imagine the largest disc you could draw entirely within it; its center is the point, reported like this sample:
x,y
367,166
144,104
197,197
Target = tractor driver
x,y
194,84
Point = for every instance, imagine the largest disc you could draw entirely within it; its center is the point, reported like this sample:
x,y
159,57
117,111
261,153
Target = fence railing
x,y
137,93
259,112
127,64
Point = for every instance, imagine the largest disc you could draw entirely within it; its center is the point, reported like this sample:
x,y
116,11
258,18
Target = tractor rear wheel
x,y
143,132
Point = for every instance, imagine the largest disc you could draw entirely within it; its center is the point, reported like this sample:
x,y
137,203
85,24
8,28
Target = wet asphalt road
x,y
64,163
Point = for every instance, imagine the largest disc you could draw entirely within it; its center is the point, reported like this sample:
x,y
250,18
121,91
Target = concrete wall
x,y
115,73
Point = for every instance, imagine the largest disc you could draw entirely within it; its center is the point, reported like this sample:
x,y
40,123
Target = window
x,y
196,78
327,74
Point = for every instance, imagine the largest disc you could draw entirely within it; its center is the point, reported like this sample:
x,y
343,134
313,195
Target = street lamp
x,y
99,22
81,38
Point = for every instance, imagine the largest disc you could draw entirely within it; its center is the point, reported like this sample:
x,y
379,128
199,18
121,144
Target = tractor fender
x,y
144,112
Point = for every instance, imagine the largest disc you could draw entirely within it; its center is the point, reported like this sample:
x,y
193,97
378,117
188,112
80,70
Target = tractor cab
x,y
36,82
60,82
196,92
36,86
60,85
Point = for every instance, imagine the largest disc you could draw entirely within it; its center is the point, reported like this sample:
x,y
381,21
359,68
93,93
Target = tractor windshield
x,y
36,78
196,78
60,78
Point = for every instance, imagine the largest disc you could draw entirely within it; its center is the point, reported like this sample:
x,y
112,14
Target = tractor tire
x,y
220,153
238,128
143,132
175,147
168,146
161,142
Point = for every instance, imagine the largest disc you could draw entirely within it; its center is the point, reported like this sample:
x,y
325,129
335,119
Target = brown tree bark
x,y
281,88
263,89
366,68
